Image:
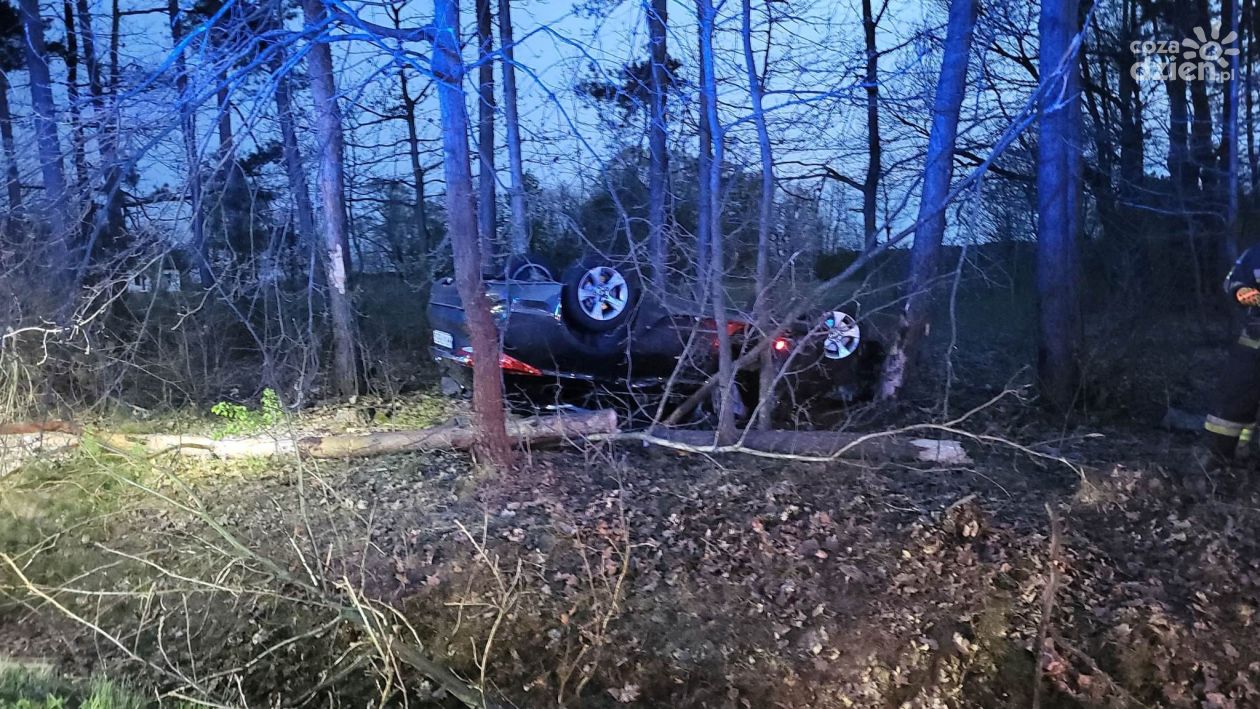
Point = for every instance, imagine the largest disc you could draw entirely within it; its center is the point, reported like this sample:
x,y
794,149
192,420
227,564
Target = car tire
x,y
528,266
600,294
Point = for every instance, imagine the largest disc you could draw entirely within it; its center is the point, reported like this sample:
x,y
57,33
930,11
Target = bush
x,y
241,420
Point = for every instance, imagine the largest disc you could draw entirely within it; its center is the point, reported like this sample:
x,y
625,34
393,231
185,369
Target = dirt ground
x,y
639,576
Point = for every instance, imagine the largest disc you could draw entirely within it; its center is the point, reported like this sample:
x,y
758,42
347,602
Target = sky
x,y
815,97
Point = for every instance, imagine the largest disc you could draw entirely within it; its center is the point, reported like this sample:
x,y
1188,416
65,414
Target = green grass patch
x,y
23,688
54,511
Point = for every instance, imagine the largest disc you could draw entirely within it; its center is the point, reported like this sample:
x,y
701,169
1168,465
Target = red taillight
x,y
506,362
782,344
732,326
512,364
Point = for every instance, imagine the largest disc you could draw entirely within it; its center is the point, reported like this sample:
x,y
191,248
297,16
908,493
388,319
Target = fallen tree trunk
x,y
19,428
813,445
16,448
542,430
537,431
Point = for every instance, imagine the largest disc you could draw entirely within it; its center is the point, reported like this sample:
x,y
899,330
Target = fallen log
x,y
16,448
53,426
153,444
813,445
537,431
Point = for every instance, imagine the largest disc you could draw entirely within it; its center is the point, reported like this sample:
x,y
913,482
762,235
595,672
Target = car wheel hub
x,y
603,293
843,335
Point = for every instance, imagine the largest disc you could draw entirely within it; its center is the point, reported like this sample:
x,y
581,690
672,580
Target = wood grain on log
x,y
541,430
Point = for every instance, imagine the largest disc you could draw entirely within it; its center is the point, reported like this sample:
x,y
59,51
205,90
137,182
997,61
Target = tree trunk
x,y
78,149
938,170
1057,222
1231,12
1253,158
874,145
707,17
1185,178
294,169
448,71
1132,137
487,194
419,211
1102,182
115,39
188,127
765,217
107,220
1202,150
704,209
20,442
48,145
519,242
332,197
12,181
114,178
224,120
658,155
231,179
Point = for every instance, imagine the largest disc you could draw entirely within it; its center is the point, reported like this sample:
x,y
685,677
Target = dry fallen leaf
x,y
625,695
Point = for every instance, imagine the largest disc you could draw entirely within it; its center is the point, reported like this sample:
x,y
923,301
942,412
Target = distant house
x,y
166,280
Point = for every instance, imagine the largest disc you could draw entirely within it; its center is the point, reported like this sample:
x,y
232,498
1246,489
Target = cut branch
x,y
818,446
424,33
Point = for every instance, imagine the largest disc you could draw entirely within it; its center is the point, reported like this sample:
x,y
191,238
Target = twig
x,y
950,427
1097,671
507,597
43,595
412,656
1047,603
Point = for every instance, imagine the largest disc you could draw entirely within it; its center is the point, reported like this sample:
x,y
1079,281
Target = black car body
x,y
555,331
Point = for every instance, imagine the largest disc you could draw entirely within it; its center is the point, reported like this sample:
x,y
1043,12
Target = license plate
x,y
443,339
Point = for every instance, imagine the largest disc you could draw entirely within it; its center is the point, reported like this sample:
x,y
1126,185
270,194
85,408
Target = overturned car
x,y
595,330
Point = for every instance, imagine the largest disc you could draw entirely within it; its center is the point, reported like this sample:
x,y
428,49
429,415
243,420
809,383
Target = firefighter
x,y
1239,392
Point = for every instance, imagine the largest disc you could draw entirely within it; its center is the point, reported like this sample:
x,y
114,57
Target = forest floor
x,y
639,576
636,576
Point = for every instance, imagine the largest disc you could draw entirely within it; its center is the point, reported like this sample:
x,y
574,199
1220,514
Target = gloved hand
x,y
1249,297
